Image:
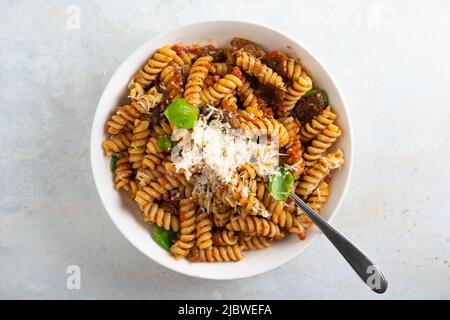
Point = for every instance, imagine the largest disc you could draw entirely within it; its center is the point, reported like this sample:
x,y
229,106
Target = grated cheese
x,y
212,152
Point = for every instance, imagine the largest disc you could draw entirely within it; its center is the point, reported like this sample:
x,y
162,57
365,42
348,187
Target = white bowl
x,y
125,214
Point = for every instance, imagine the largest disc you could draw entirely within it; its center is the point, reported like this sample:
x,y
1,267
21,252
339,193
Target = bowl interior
x,y
125,214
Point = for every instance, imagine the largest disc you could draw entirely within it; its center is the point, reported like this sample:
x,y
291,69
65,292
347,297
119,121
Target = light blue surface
x,y
391,61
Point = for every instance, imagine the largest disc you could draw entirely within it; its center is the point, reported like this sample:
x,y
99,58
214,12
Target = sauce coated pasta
x,y
201,141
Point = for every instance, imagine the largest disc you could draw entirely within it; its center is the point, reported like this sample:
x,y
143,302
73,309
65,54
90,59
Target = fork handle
x,y
368,271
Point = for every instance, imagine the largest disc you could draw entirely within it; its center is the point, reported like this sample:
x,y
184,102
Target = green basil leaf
x,y
113,163
280,184
314,90
325,97
164,142
310,93
181,114
164,238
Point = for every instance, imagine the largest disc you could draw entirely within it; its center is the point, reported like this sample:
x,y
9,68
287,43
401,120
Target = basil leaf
x,y
311,92
164,238
325,97
113,163
280,184
315,90
164,142
181,114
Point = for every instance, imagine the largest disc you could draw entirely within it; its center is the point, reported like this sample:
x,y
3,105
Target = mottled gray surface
x,y
391,60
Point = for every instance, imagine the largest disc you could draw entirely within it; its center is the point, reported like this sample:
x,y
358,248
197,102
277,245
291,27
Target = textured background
x,y
391,60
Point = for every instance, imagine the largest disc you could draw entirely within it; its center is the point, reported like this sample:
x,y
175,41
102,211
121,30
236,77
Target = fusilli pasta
x,y
127,114
257,126
217,201
224,238
255,225
313,128
217,254
203,229
153,213
254,67
117,143
226,85
182,247
319,171
321,143
318,197
151,70
295,91
197,75
255,242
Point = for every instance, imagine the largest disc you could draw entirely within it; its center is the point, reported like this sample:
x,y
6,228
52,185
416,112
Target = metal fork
x,y
370,273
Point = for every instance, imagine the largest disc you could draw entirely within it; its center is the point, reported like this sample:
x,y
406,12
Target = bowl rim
x,y
349,149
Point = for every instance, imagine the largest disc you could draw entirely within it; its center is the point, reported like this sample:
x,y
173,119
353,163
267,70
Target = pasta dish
x,y
213,140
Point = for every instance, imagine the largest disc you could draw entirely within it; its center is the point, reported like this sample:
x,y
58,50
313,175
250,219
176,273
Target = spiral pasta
x,y
123,174
137,90
152,69
295,91
256,111
240,190
294,147
156,189
229,103
247,95
127,114
153,213
167,74
220,211
138,143
313,128
148,101
203,230
254,67
171,82
146,175
251,171
185,191
182,57
215,195
223,195
294,159
321,143
226,85
292,126
182,247
197,75
224,238
150,161
256,127
255,242
123,119
255,225
153,148
319,171
293,70
280,216
318,197
162,129
221,217
117,143
221,68
217,254
273,206
133,189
